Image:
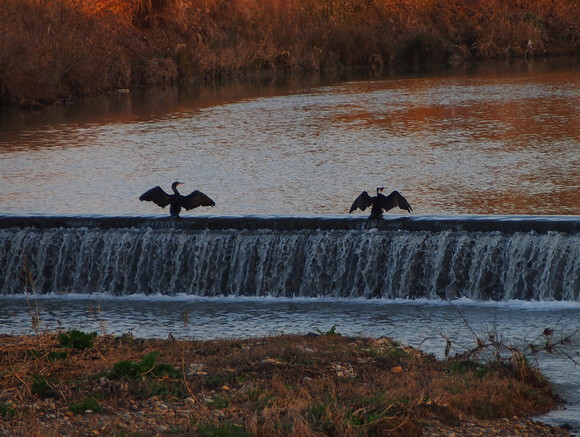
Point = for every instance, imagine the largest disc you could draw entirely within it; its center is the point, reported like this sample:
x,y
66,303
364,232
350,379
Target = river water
x,y
495,139
500,139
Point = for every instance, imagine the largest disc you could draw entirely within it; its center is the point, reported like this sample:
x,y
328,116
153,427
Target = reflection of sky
x,y
488,144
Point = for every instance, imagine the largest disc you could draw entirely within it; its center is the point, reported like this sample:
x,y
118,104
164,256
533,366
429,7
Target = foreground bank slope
x,y
77,384
60,48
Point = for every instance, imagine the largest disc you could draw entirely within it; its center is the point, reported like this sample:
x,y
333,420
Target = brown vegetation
x,y
53,49
287,385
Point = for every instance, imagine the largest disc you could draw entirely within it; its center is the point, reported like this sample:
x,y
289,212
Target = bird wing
x,y
392,200
363,201
195,199
156,195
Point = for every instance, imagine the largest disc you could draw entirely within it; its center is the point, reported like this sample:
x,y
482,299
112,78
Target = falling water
x,y
285,257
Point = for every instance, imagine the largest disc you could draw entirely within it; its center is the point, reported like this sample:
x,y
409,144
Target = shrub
x,y
54,49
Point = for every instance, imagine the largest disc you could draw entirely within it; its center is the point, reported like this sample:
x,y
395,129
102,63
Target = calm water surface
x,y
504,139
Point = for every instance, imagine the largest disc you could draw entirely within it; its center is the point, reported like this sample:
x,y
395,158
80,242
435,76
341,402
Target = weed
x,y
225,429
482,409
397,353
367,416
6,410
89,404
215,381
147,367
76,339
131,434
465,366
164,388
218,402
260,399
32,353
315,415
40,386
454,389
51,356
57,355
370,410
331,332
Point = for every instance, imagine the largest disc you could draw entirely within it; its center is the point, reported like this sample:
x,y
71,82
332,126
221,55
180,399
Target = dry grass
x,y
56,48
285,385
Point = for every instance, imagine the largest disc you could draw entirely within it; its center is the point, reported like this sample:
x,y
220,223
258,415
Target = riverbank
x,y
78,384
53,50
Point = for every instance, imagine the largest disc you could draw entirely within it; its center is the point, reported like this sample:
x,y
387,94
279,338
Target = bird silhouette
x,y
380,202
176,200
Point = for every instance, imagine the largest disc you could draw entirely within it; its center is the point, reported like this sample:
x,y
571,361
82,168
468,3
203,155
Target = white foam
x,y
550,305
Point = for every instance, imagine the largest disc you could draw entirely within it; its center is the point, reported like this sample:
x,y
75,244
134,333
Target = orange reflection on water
x,y
500,143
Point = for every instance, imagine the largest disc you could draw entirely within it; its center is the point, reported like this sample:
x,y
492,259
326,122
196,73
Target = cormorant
x,y
380,202
176,200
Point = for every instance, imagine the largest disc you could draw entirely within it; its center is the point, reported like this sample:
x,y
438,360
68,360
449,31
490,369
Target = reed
x,y
51,49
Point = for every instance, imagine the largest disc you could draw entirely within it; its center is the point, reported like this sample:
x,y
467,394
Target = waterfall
x,y
346,258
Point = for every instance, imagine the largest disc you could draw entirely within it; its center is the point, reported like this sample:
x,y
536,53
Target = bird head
x,y
175,184
380,189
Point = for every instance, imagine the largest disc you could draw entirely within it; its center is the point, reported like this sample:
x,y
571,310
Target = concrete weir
x,y
434,257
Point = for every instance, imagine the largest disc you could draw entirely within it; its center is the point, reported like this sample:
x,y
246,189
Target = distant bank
x,y
53,50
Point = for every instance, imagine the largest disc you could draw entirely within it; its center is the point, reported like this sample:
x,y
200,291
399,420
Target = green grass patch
x,y
316,415
57,355
131,434
32,353
76,339
6,410
40,386
215,381
225,429
260,399
462,367
161,387
218,402
146,368
482,409
89,404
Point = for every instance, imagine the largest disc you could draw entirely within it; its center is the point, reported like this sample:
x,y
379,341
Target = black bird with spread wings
x,y
380,202
176,200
